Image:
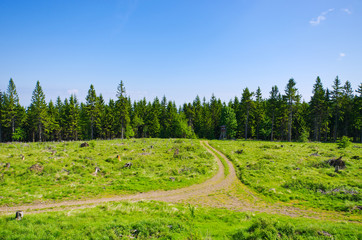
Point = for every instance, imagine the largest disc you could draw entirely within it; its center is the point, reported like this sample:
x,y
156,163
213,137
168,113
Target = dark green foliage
x,y
344,142
328,116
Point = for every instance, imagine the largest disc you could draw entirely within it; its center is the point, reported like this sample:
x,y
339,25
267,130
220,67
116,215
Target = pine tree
x,y
215,110
273,106
246,105
53,124
38,112
318,107
259,111
91,108
59,119
11,105
291,96
347,106
336,105
358,111
122,110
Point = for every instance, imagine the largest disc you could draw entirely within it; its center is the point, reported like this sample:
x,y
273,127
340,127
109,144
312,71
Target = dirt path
x,y
219,191
216,183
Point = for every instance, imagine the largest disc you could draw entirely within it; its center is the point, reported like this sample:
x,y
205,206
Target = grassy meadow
x,y
64,170
298,173
157,220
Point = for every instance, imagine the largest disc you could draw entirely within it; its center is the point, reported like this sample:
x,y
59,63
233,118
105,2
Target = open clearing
x,y
222,191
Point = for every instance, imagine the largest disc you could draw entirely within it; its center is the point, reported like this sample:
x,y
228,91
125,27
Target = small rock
x,y
172,179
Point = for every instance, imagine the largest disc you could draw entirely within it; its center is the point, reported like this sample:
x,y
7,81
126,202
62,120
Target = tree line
x,y
329,115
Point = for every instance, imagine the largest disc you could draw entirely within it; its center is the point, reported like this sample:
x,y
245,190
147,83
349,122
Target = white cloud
x,y
72,91
320,18
342,55
346,10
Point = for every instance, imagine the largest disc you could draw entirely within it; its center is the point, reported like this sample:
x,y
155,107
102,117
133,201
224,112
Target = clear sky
x,y
178,48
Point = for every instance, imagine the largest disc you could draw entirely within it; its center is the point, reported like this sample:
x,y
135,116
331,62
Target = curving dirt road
x,y
217,182
219,191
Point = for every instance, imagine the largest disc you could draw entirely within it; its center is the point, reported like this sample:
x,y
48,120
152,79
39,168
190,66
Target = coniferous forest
x,y
330,114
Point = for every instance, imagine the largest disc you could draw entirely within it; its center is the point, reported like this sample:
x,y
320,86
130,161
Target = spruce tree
x,y
246,105
259,111
38,112
92,109
11,105
336,96
318,107
291,96
122,110
358,111
273,106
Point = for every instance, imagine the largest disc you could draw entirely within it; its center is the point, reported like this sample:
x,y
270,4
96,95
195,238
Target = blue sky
x,y
177,48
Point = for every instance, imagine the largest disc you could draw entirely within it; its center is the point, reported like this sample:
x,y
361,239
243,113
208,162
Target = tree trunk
x,y
315,129
122,131
290,126
12,126
39,130
246,124
272,128
335,128
92,128
1,133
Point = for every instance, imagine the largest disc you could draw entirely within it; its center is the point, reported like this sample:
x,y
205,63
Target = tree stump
x,y
19,215
176,153
85,144
22,157
128,165
7,165
97,169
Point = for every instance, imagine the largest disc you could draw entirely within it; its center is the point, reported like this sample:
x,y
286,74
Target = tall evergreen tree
x,y
291,96
347,106
53,124
358,111
215,110
11,106
247,105
336,105
92,108
318,108
122,107
259,111
38,112
273,106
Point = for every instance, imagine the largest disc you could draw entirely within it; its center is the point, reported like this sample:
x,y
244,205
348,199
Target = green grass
x,y
68,169
283,171
156,220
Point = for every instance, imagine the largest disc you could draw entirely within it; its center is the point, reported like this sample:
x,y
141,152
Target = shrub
x,y
344,142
